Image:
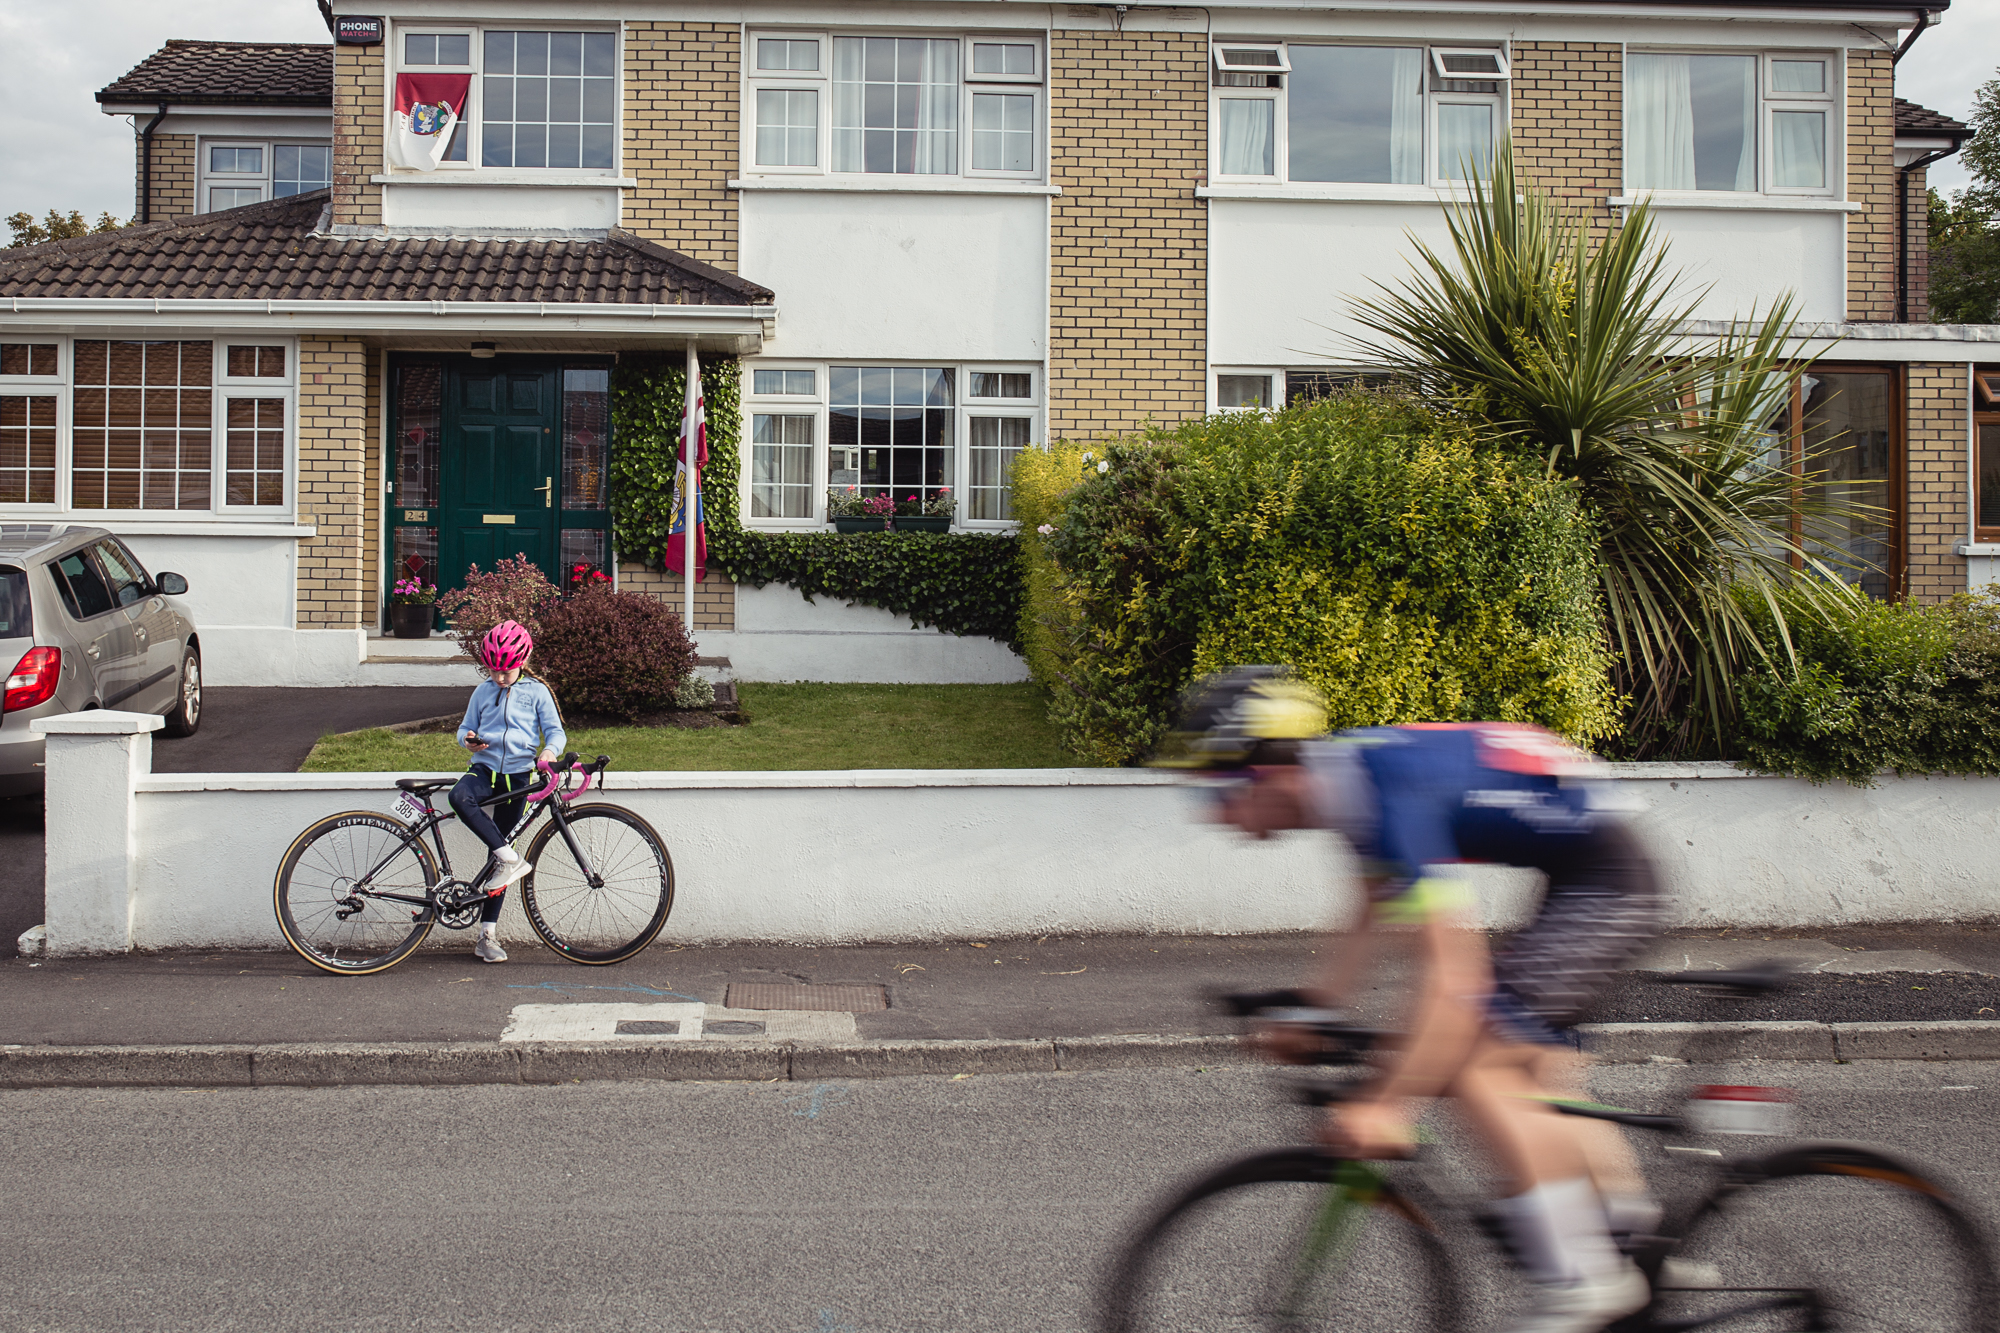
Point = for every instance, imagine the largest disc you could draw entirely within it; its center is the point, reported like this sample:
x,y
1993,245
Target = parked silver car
x,y
83,625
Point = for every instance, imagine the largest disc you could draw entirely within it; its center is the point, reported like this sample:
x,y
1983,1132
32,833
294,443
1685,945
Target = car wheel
x,y
185,715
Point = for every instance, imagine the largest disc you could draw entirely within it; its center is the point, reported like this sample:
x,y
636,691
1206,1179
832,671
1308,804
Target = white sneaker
x,y
1587,1306
488,950
506,873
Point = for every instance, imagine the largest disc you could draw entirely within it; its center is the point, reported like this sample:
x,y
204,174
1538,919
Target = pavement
x,y
989,1006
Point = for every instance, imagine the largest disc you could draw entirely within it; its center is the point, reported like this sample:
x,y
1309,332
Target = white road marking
x,y
599,1022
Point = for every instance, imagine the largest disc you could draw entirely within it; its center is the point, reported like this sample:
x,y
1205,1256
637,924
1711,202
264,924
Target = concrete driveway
x,y
246,730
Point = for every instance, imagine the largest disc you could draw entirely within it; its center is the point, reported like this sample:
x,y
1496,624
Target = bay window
x,y
892,430
160,425
1369,115
1729,122
893,106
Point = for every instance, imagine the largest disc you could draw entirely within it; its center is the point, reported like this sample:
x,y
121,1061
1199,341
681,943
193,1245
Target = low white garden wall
x,y
137,860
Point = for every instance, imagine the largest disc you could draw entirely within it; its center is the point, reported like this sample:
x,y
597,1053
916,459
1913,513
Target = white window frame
x,y
474,121
208,180
227,386
222,387
754,79
964,408
1831,101
1280,174
1220,52
1274,376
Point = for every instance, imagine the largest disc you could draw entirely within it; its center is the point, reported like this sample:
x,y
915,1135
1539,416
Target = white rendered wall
x,y
1282,275
471,207
780,636
893,276
847,857
1748,257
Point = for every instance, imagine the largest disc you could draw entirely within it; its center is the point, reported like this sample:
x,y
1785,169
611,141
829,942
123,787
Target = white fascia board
x,y
390,317
1946,343
178,112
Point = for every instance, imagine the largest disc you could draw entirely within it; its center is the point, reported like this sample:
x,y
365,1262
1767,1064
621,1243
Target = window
x,y
1848,420
234,174
885,430
586,481
1373,115
1235,391
541,99
30,360
420,427
122,574
254,423
894,106
28,449
549,99
83,590
142,427
1739,123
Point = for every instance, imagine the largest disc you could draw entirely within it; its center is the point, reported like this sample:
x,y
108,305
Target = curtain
x,y
1742,72
1798,149
847,98
1247,136
1465,139
937,110
1406,116
1659,122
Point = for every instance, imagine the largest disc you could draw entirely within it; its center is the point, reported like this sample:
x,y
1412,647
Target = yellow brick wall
x,y
1871,182
1129,240
681,99
714,596
359,105
1566,119
1918,238
1937,449
173,182
334,495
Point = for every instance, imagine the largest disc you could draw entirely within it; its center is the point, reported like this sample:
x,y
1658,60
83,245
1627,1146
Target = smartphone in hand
x,y
472,741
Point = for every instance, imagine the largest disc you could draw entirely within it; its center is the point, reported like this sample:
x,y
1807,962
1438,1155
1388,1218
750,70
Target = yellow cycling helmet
x,y
1243,715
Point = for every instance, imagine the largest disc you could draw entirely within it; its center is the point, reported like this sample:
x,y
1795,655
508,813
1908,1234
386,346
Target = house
x,y
931,234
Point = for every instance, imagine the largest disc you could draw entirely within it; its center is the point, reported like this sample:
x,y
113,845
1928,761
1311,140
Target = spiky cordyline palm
x,y
1575,349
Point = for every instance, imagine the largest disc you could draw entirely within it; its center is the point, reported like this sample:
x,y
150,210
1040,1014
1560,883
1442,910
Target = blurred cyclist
x,y
1492,1033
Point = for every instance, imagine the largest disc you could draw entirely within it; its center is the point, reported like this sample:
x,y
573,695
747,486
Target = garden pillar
x,y
93,763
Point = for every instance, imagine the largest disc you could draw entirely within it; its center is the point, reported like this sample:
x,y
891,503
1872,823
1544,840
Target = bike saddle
x,y
1760,978
424,784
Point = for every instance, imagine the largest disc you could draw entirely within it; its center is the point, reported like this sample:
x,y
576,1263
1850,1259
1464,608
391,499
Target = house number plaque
x,y
416,516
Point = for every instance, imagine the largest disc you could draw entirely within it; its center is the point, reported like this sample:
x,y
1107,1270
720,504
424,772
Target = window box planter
x,y
923,523
861,524
411,622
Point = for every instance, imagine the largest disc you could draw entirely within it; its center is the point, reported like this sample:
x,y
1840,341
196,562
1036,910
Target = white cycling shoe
x,y
1587,1306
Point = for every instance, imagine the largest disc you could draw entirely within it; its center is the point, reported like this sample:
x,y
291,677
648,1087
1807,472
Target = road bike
x,y
1813,1236
358,892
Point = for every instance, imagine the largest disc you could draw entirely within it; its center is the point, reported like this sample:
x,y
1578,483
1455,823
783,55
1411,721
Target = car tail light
x,y
33,679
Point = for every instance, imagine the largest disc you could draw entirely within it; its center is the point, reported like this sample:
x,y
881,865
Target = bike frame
x,y
434,820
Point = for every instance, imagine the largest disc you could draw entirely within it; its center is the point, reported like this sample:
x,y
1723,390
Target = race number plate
x,y
408,808
1738,1110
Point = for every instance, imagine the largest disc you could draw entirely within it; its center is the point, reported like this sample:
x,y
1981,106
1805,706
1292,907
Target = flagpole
x,y
689,491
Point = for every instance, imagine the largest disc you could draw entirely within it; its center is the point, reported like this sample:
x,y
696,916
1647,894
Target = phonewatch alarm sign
x,y
351,30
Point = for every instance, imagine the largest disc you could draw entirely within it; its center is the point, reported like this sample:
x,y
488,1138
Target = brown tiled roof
x,y
1921,120
229,74
273,251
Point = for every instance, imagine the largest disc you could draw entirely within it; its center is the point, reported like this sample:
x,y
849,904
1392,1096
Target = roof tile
x,y
229,74
274,251
1914,119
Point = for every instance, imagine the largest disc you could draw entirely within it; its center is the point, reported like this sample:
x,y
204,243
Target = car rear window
x,y
82,587
17,618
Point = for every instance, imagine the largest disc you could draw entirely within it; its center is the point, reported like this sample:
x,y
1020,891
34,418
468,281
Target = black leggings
x,y
480,784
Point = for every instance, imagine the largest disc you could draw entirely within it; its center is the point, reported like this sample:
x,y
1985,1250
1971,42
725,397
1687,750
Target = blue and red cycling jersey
x,y
1425,793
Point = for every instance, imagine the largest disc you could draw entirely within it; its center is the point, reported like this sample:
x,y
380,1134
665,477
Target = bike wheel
x,y
610,905
316,883
1826,1236
1260,1246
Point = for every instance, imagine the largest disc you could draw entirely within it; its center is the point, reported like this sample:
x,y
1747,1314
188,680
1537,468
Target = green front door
x,y
501,470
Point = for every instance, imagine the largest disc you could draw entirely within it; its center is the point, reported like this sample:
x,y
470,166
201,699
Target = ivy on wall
x,y
962,583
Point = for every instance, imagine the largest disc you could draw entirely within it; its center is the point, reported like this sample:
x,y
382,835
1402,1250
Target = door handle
x,y
547,488
92,650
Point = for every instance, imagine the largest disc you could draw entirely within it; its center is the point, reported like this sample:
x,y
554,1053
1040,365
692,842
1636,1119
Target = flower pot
x,y
861,524
923,523
411,622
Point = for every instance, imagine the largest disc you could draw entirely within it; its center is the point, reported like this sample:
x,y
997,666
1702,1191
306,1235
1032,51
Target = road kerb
x,y
329,1064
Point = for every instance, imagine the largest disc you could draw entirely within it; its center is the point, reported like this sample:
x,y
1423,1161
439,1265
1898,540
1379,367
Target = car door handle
x,y
92,650
140,631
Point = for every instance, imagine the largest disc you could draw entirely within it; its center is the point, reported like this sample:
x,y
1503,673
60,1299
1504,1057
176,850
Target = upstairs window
x,y
235,173
1369,115
894,106
1736,123
540,99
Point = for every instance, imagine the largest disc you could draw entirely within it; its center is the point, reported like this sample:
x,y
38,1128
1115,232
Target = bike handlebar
x,y
559,772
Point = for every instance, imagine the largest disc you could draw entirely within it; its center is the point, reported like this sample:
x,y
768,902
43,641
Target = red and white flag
x,y
428,109
693,451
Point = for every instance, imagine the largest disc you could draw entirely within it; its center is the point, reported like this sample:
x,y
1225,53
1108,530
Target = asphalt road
x,y
903,1205
245,729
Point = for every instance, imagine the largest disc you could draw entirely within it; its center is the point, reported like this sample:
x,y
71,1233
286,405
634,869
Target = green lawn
x,y
791,727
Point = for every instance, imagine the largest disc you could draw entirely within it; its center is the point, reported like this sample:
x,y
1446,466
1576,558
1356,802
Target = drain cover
x,y
732,1027
648,1027
824,999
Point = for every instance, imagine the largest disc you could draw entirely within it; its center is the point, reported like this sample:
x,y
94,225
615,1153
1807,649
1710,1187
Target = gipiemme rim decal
x,y
1885,1174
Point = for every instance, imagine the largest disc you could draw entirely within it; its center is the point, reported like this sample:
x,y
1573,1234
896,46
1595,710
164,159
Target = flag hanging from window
x,y
693,450
428,109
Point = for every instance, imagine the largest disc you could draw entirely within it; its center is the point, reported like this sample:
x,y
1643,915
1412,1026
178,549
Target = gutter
x,y
1923,22
146,165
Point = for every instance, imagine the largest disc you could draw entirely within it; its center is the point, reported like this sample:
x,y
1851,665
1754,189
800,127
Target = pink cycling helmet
x,y
505,646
